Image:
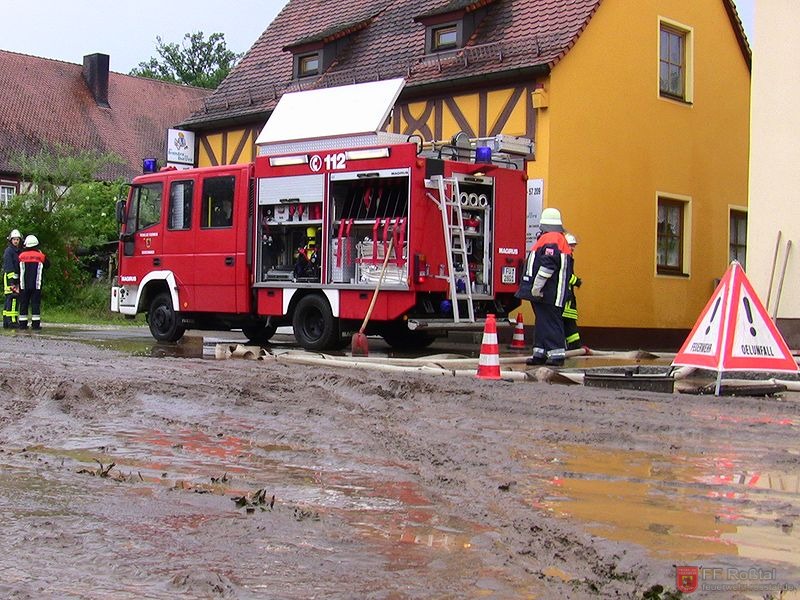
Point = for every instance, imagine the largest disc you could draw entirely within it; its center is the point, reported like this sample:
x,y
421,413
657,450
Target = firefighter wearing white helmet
x,y
570,314
548,269
11,279
32,263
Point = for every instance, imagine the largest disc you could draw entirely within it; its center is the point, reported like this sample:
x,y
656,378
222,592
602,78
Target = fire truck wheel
x,y
259,334
165,323
402,338
315,327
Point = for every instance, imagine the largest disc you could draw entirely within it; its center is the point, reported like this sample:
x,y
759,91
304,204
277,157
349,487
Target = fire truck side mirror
x,y
120,208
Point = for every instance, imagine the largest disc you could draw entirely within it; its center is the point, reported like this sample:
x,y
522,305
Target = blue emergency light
x,y
483,154
149,165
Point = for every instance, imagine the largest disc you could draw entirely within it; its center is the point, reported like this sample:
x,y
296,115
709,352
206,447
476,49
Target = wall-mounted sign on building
x,y
180,147
534,214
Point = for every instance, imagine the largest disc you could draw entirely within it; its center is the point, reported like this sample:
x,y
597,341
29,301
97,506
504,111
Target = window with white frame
x,y
675,61
6,193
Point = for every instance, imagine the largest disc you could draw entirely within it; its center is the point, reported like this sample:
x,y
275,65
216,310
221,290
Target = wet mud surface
x,y
125,476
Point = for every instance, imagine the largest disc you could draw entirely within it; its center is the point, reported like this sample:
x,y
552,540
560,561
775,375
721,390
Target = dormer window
x,y
314,54
450,26
444,37
308,65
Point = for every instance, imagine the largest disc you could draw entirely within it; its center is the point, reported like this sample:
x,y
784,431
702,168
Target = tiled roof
x,y
48,101
515,35
454,6
333,33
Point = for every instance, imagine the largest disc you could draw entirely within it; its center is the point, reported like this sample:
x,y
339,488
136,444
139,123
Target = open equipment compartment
x,y
369,213
289,220
476,197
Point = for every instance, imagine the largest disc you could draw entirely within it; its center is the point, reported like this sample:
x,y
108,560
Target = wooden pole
x,y
774,263
780,280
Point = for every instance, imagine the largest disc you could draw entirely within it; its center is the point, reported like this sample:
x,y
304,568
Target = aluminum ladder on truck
x,y
454,242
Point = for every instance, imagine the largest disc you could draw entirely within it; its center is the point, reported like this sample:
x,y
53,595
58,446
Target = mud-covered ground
x,y
142,477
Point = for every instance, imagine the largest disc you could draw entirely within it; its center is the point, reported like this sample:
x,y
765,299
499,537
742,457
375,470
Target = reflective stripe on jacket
x,y
552,260
31,264
571,305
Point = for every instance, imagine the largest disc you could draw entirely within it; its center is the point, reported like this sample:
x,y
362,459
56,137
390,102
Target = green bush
x,y
72,214
89,303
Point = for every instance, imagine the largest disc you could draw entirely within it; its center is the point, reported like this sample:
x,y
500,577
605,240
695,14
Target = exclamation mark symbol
x,y
749,313
713,314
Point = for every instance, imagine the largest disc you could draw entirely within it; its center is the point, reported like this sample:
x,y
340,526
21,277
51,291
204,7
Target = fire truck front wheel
x,y
315,327
165,323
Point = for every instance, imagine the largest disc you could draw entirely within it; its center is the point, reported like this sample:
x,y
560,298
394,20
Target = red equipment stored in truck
x,y
299,238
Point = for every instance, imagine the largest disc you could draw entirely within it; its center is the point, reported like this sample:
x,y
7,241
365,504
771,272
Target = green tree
x,y
195,61
70,212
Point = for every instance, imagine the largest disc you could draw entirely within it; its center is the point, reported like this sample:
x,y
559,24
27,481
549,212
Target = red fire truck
x,y
305,234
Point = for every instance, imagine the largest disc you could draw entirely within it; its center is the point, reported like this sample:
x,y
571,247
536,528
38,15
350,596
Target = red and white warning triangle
x,y
734,332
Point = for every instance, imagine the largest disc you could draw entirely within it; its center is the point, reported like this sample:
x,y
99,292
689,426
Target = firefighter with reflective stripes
x,y
547,273
11,279
570,314
32,263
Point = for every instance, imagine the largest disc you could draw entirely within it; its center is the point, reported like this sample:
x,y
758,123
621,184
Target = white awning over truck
x,y
338,111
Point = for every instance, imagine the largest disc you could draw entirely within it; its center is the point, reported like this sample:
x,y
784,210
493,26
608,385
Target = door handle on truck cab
x,y
229,260
157,262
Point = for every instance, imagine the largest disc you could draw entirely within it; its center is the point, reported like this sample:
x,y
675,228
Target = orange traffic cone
x,y
518,339
489,361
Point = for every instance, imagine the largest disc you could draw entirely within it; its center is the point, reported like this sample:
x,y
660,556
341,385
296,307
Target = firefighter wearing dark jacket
x,y
11,279
570,313
548,270
32,263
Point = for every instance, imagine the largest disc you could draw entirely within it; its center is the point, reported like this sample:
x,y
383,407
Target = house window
x,y
308,65
6,192
738,236
671,236
674,65
444,38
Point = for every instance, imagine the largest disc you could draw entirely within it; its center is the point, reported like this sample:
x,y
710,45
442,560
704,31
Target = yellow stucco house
x,y
639,112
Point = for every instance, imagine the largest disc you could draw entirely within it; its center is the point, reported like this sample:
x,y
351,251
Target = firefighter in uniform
x,y
11,279
32,262
307,260
548,270
570,314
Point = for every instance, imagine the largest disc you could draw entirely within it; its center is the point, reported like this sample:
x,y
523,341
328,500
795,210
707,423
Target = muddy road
x,y
129,476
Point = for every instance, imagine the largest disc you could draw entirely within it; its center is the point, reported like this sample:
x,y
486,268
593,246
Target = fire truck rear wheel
x,y
400,337
259,334
165,323
315,327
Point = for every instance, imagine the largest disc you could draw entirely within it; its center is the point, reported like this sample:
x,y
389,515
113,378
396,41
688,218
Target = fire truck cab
x,y
305,234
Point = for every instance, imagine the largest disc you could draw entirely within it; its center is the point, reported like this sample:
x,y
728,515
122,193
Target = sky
x,y
126,30
70,29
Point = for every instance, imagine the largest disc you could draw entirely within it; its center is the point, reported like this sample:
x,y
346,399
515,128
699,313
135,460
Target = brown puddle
x,y
681,508
390,514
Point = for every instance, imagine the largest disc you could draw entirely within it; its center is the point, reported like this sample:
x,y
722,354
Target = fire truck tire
x,y
165,323
315,327
402,338
259,334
